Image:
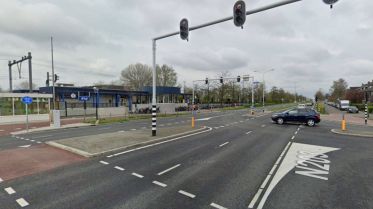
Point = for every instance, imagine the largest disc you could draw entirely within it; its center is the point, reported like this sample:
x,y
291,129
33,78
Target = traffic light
x,y
316,98
238,79
47,81
239,13
184,29
221,79
56,77
207,81
330,2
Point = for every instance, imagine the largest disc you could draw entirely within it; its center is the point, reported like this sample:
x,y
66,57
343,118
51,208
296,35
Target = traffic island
x,y
349,132
90,146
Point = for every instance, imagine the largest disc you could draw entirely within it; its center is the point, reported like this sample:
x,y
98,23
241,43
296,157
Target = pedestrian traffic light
x,y
184,29
56,77
221,79
238,79
207,81
330,2
239,13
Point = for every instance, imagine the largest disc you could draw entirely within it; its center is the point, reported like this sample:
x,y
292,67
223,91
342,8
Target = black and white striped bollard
x,y
366,113
154,120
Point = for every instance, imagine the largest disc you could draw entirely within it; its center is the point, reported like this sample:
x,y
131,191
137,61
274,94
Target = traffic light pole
x,y
154,40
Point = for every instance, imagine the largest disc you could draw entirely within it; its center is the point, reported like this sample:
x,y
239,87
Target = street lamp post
x,y
95,89
264,72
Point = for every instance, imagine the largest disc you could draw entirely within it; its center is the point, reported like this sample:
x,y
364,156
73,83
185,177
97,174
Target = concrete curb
x,y
88,155
50,128
351,134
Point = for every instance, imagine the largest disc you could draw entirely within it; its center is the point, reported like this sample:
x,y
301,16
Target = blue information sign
x,y
84,98
27,100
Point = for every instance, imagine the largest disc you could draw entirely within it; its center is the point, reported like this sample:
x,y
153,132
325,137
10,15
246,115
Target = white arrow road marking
x,y
25,146
290,161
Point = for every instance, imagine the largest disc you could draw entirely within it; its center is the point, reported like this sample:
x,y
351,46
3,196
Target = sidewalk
x,y
10,128
362,131
90,146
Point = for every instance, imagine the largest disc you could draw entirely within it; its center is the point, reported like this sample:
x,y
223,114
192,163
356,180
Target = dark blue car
x,y
299,115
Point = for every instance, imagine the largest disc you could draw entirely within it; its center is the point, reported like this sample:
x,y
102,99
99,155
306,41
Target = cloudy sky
x,y
306,42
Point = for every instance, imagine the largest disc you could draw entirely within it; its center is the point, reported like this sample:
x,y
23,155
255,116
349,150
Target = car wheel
x,y
280,121
310,122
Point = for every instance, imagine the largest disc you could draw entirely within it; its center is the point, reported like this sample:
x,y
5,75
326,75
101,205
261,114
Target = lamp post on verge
x,y
264,72
95,89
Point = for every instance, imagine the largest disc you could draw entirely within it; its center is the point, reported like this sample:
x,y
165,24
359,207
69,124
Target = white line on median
x,y
104,162
256,197
225,143
169,169
137,175
217,206
155,144
159,183
187,194
22,202
119,168
10,190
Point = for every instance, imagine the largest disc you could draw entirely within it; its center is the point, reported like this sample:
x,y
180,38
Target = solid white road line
x,y
187,194
159,183
273,169
225,143
168,169
249,132
255,199
10,190
217,206
264,184
22,202
119,168
155,144
104,162
137,175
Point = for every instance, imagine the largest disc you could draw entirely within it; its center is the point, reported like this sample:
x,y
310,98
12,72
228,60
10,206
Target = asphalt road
x,y
243,162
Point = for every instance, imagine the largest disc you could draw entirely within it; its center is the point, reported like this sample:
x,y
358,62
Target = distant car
x,y
298,115
301,105
352,109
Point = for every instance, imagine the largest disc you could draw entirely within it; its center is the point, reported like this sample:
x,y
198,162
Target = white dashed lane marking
x,y
10,190
159,183
137,175
22,202
217,206
104,162
249,132
168,169
225,143
134,129
187,194
119,168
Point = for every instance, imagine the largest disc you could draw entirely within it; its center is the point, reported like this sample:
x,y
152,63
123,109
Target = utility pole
x,y
53,81
10,64
263,83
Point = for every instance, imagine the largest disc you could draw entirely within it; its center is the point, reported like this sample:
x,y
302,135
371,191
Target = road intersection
x,y
243,161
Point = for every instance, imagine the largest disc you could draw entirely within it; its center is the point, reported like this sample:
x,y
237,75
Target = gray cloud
x,y
307,43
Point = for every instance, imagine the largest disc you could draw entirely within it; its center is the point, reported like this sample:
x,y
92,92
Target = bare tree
x,y
166,76
136,76
24,85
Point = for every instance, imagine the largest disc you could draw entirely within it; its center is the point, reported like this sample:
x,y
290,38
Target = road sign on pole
x,y
84,98
26,100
